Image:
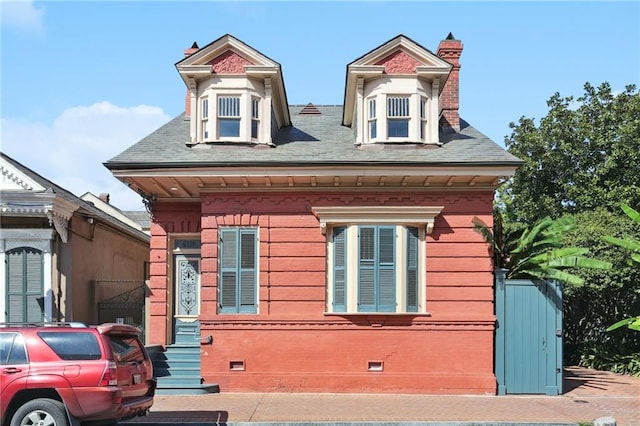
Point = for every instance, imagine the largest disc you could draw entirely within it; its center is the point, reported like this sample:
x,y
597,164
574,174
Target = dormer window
x,y
235,94
398,117
229,116
404,117
404,81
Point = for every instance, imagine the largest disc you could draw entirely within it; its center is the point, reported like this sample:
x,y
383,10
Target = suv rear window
x,y
126,348
72,346
12,350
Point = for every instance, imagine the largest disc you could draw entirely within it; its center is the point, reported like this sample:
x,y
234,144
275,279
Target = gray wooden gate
x,y
528,347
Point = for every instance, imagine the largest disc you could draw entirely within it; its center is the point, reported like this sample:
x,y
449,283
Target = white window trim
x,y
423,115
422,217
204,119
372,119
255,118
421,130
241,120
247,96
394,215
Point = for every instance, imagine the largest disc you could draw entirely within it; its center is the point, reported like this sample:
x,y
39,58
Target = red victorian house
x,y
322,248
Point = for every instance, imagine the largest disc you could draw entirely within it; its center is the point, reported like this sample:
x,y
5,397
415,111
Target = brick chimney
x,y
187,101
450,50
104,197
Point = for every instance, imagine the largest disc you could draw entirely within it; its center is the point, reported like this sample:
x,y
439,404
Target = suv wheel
x,y
40,412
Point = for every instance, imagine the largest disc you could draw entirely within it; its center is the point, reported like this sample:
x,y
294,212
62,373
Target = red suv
x,y
58,374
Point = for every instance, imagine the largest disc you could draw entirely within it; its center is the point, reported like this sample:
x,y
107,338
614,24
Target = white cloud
x,y
72,150
22,15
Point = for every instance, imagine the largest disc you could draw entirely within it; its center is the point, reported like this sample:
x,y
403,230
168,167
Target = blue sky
x,y
83,80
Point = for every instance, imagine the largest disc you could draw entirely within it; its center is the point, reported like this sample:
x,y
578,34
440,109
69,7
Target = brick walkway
x,y
588,395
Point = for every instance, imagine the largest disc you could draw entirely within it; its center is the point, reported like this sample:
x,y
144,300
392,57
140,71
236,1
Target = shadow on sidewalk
x,y
216,417
580,381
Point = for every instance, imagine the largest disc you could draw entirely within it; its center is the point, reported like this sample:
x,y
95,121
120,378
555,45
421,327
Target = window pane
x,y
398,128
229,127
228,249
373,129
126,348
397,107
367,244
255,111
12,349
72,346
254,129
205,108
248,250
229,106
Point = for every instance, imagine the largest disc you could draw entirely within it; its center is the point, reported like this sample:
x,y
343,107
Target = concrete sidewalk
x,y
589,395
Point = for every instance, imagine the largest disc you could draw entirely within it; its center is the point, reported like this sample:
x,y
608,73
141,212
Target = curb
x,y
196,423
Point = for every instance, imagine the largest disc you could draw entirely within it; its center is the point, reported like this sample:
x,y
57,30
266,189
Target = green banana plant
x,y
537,252
632,244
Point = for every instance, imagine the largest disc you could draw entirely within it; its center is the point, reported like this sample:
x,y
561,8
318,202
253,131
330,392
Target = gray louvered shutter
x,y
339,269
386,269
248,271
367,269
412,269
228,249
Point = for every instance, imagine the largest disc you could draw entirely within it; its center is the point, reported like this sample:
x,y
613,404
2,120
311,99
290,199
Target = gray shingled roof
x,y
83,206
317,139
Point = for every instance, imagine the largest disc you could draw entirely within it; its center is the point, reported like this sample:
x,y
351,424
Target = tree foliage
x,y
582,160
633,245
605,297
584,154
538,252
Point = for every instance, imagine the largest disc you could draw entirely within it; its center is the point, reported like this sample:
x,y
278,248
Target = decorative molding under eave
x,y
48,204
60,215
36,238
414,215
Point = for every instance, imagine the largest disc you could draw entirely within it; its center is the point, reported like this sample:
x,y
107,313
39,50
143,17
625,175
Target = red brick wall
x,y
167,219
451,50
291,345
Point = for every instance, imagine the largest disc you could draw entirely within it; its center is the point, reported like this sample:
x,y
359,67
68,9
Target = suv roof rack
x,y
73,324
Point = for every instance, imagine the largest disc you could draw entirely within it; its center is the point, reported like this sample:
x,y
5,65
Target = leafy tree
x,y
633,245
538,252
605,295
584,154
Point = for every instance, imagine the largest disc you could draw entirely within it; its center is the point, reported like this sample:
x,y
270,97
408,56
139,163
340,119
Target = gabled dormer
x,y
235,94
394,94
